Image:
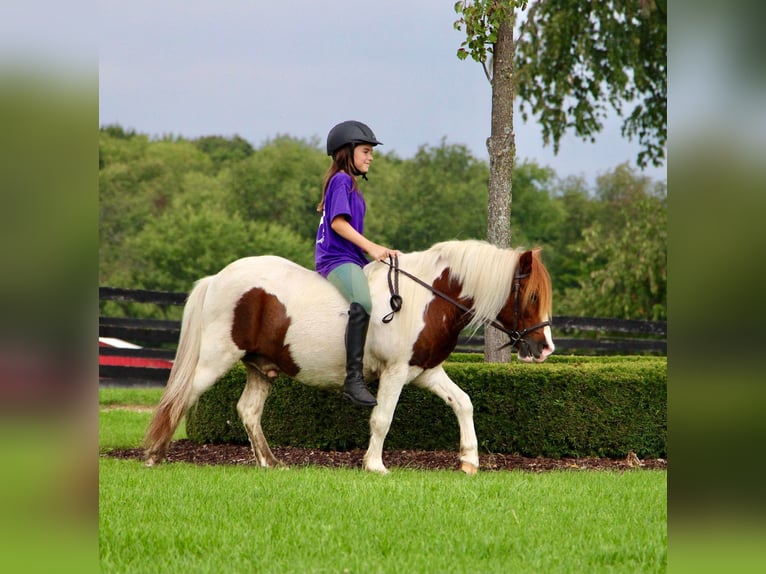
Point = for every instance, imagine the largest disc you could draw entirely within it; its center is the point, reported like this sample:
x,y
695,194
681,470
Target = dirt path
x,y
211,454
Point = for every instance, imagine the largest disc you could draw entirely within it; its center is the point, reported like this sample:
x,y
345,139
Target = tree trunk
x,y
502,152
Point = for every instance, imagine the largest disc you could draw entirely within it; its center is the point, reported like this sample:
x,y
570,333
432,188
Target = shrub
x,y
571,406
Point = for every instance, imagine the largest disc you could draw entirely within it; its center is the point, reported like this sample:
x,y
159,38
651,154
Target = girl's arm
x,y
343,228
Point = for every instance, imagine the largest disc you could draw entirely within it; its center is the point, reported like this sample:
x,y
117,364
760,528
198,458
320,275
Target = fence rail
x,y
157,337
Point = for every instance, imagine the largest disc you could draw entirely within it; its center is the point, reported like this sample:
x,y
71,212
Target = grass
x,y
185,518
133,396
125,414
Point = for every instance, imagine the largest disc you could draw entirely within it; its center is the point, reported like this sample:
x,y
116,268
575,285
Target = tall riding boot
x,y
354,388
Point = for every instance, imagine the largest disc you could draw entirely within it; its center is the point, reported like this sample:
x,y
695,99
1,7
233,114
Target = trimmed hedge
x,y
567,407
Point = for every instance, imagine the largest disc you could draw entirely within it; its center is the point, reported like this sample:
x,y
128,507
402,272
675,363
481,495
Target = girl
x,y
341,245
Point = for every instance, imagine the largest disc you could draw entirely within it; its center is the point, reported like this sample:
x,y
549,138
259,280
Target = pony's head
x,y
527,312
510,288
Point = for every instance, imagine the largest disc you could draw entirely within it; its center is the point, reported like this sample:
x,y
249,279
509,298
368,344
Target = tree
x,y
138,180
629,277
169,215
574,56
621,250
537,219
281,182
567,53
578,212
489,26
185,244
222,150
402,213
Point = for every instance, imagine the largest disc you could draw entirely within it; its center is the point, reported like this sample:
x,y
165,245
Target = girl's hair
x,y
342,160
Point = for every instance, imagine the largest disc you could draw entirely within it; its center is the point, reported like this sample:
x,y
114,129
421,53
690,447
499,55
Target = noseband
x,y
516,335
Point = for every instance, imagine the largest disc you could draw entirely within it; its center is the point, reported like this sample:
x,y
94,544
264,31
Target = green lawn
x,y
185,518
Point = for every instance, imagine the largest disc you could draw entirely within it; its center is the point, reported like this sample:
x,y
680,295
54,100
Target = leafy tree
x,y
567,53
538,218
118,132
186,243
578,211
168,215
115,147
573,56
137,182
440,194
224,151
281,183
620,193
382,193
629,276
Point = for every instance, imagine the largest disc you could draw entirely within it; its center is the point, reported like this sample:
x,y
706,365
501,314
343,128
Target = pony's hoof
x,y
377,469
152,460
469,468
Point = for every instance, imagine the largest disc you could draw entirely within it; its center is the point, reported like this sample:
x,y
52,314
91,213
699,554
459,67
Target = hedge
x,y
567,407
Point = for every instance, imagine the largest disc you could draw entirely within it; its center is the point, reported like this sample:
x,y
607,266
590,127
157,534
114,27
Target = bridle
x,y
516,335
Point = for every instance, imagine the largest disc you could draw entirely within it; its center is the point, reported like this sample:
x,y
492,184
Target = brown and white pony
x,y
276,316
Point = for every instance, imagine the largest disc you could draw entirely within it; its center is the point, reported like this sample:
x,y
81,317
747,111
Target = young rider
x,y
341,244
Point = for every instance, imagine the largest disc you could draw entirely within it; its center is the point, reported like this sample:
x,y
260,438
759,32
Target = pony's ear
x,y
527,260
525,263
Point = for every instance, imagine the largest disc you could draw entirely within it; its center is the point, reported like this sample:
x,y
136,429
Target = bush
x,y
569,406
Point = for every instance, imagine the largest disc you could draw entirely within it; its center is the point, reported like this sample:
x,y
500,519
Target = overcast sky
x,y
261,68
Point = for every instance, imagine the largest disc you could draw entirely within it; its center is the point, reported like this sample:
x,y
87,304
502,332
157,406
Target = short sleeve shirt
x,y
331,249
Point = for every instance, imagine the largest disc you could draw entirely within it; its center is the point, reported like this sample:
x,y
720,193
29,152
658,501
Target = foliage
x,y
537,220
573,58
137,182
281,183
481,20
440,194
169,216
630,276
223,151
624,252
577,211
567,408
160,255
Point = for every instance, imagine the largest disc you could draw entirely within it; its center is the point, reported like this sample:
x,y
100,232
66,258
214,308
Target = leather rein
x,y
516,336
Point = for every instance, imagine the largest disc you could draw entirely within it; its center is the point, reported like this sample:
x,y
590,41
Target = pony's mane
x,y
485,271
539,284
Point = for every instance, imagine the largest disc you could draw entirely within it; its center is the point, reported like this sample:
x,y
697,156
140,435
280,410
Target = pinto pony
x,y
276,316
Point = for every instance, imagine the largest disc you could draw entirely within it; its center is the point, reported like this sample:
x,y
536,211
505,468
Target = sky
x,y
259,69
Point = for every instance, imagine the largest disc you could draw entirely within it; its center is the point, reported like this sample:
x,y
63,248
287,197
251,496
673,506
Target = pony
x,y
279,317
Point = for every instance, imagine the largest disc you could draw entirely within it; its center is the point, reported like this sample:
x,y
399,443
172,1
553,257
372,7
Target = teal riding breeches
x,y
351,281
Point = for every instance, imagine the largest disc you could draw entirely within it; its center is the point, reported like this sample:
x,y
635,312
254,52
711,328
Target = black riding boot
x,y
354,388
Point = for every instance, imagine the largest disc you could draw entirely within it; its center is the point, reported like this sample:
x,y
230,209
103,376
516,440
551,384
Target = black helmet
x,y
349,132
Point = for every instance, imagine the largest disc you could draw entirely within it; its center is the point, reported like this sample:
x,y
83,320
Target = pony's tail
x,y
175,399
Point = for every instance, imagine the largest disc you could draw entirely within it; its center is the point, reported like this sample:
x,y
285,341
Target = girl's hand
x,y
381,253
374,250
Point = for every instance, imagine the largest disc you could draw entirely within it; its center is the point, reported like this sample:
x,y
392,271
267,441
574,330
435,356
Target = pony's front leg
x,y
439,383
390,387
250,409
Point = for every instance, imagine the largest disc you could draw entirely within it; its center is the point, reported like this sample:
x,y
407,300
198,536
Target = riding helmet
x,y
349,132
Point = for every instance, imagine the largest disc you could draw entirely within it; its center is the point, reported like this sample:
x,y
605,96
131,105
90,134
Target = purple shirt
x,y
331,249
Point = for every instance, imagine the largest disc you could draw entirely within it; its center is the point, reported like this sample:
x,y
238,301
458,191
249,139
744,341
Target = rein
x,y
516,336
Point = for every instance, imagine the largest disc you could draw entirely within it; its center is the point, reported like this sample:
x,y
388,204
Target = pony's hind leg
x,y
250,409
439,383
